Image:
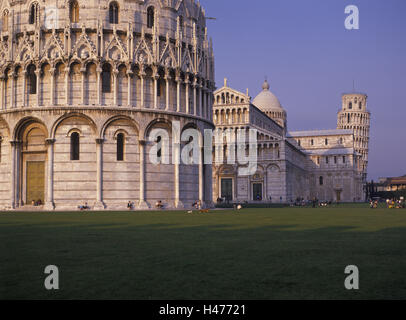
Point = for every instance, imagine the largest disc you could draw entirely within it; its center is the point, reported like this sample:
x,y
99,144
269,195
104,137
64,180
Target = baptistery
x,y
89,90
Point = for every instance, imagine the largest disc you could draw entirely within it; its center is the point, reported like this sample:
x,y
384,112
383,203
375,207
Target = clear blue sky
x,y
310,59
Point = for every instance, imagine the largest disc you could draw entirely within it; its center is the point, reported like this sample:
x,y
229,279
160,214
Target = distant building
x,y
323,164
391,184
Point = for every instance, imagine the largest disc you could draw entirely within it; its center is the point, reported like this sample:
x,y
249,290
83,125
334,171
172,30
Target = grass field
x,y
286,253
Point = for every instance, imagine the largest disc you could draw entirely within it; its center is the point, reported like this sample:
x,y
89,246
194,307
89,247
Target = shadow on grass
x,y
175,261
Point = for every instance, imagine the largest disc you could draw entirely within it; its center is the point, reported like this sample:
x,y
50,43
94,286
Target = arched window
x,y
150,17
74,11
5,20
120,147
113,12
344,159
350,105
32,80
321,181
348,118
326,142
159,148
312,142
34,13
360,105
159,87
106,78
181,23
74,146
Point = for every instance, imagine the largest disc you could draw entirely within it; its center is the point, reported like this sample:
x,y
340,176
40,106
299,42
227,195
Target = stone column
x,y
167,80
209,186
207,104
142,91
115,87
142,75
195,97
178,83
129,87
49,204
99,91
18,163
67,69
2,78
142,204
200,104
202,101
176,149
201,177
38,74
187,93
13,178
52,95
210,105
156,79
13,90
99,205
24,74
83,92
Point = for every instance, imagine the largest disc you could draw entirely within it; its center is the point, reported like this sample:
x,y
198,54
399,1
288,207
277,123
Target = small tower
x,y
355,116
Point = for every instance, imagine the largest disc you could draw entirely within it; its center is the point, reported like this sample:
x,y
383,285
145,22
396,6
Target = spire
x,y
265,85
225,82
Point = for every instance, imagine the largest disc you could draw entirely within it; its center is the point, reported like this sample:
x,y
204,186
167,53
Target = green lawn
x,y
286,253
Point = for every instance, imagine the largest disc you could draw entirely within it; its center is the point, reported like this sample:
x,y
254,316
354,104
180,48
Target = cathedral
x,y
328,165
89,90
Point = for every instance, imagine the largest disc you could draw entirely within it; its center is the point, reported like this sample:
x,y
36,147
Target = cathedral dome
x,y
266,100
269,104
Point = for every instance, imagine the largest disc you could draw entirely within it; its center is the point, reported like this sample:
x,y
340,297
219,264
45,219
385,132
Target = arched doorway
x,y
31,163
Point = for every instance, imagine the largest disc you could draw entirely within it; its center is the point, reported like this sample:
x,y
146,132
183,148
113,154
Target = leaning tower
x,y
354,115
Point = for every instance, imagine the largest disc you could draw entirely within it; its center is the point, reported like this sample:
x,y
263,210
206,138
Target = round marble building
x,y
83,84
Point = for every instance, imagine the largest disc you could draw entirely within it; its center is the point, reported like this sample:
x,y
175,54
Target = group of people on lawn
x,y
160,205
395,203
390,203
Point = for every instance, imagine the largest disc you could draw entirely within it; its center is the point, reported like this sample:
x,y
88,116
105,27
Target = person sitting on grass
x,y
196,205
130,205
84,207
159,204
